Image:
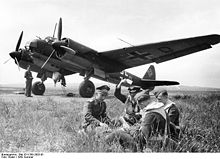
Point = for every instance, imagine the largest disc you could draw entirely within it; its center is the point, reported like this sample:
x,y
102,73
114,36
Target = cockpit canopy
x,y
50,39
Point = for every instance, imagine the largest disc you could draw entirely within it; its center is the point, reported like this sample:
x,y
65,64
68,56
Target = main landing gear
x,y
38,88
86,89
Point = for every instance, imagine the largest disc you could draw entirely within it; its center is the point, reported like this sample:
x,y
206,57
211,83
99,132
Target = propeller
x,y
59,34
20,54
47,59
61,45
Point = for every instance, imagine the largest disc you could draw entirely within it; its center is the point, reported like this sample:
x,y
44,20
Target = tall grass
x,y
51,126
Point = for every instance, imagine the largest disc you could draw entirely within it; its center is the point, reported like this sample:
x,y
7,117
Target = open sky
x,y
99,23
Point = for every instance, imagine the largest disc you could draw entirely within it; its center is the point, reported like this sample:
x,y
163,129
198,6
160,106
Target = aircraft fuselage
x,y
84,61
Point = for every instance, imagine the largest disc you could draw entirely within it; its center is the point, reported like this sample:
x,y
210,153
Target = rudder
x,y
150,74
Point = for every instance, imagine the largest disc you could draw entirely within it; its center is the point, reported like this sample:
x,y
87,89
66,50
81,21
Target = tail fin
x,y
150,74
148,82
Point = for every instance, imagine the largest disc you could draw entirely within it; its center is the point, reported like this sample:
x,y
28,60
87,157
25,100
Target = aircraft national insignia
x,y
150,73
136,54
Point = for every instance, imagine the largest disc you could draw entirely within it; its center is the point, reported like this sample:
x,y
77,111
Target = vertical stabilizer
x,y
150,74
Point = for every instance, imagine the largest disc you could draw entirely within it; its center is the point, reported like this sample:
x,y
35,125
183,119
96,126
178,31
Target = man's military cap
x,y
103,90
103,87
142,96
163,92
134,89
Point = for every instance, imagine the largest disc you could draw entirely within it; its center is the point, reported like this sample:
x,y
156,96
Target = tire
x,y
86,89
38,88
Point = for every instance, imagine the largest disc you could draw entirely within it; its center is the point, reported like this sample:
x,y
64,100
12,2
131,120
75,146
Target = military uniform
x,y
95,111
154,126
131,107
29,78
173,113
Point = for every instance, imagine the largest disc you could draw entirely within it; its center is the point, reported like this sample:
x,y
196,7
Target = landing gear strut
x,y
38,88
86,89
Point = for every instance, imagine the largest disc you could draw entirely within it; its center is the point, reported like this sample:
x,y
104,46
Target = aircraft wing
x,y
161,51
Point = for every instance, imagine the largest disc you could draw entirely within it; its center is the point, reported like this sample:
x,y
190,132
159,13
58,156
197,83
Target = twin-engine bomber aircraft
x,y
58,57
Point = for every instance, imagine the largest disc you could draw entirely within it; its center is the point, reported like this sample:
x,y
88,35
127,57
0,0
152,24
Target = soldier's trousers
x,y
28,87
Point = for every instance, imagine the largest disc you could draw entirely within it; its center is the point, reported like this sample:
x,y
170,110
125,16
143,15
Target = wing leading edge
x,y
161,51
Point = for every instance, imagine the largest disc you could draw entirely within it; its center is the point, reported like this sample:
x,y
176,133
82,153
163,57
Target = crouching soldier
x,y
95,110
154,123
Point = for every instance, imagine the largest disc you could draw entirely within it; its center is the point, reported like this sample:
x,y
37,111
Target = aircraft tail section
x,y
149,80
150,74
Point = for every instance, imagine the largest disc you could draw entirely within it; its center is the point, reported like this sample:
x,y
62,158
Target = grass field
x,y
50,125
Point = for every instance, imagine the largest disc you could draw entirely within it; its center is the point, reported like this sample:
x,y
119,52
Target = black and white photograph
x,y
101,77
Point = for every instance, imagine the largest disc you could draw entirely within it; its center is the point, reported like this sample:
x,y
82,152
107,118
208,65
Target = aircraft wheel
x,y
86,89
38,88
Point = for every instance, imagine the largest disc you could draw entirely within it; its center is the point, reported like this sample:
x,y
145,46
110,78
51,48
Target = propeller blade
x,y
7,60
54,29
17,63
58,44
47,59
59,29
19,42
69,50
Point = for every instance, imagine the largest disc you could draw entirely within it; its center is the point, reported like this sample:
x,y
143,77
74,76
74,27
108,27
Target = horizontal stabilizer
x,y
146,83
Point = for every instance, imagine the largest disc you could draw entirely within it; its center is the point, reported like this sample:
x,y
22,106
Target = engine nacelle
x,y
66,55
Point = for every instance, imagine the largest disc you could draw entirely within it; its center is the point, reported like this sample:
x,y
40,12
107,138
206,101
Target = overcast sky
x,y
99,23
